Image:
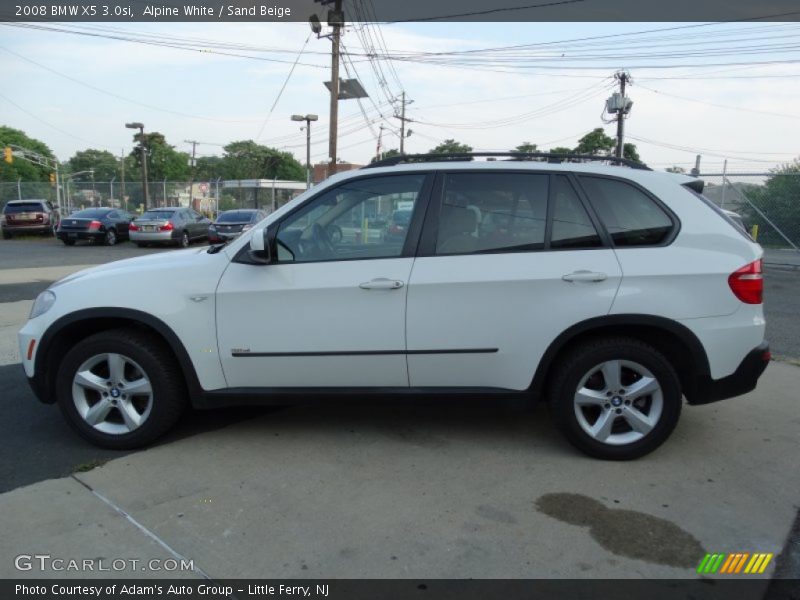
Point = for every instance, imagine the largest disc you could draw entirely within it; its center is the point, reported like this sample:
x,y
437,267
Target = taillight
x,y
747,283
133,227
95,225
167,227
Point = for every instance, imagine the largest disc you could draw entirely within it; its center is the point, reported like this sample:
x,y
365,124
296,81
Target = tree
x,y
778,199
104,164
450,147
596,142
561,150
630,152
208,168
387,154
163,161
20,168
526,147
248,160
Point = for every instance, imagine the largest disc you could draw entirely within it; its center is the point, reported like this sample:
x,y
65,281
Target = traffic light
x,y
52,179
8,155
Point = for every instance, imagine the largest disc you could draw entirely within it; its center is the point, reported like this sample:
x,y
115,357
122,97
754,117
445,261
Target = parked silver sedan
x,y
171,225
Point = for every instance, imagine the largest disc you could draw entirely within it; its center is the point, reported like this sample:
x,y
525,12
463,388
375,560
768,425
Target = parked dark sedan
x,y
99,225
231,223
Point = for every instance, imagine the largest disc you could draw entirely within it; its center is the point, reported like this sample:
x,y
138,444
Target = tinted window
x,y
236,216
158,214
345,222
484,212
21,207
90,213
572,227
630,216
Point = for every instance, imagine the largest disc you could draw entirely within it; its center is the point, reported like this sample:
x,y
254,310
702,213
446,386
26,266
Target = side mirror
x,y
259,249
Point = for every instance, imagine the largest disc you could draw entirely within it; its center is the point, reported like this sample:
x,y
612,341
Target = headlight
x,y
42,304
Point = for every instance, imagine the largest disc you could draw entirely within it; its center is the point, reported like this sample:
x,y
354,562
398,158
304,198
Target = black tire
x,y
69,242
184,241
6,235
110,238
141,244
580,361
169,397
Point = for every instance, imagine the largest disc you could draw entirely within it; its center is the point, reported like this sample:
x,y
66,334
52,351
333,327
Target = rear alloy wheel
x,y
616,398
111,238
184,243
120,389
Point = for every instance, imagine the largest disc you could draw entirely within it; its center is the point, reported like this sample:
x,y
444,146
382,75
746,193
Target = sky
x,y
695,88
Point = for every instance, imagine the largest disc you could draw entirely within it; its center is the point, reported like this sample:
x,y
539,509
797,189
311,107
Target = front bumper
x,y
741,381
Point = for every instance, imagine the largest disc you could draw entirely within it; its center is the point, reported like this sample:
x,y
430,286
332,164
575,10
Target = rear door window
x,y
631,217
572,227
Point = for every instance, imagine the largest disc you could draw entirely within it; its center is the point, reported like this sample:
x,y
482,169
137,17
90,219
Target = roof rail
x,y
466,156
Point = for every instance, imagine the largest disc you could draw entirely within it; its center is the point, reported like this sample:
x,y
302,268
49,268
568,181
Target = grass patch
x,y
88,466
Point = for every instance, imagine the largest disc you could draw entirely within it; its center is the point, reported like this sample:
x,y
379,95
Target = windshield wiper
x,y
216,248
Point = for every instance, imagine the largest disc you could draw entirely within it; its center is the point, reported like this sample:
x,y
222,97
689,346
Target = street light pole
x,y
140,127
307,119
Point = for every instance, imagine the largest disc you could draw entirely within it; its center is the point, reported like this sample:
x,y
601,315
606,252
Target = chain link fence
x,y
208,197
769,204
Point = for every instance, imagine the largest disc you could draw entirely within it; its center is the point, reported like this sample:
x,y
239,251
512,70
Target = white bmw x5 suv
x,y
610,291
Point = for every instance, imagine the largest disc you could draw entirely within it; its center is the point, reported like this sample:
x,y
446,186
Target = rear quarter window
x,y
631,217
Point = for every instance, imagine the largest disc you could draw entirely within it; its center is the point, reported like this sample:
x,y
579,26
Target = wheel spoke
x,y
643,387
612,374
116,367
132,418
602,427
587,397
638,421
89,380
98,412
139,387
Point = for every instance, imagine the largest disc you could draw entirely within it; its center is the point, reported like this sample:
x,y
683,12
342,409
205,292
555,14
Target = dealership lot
x,y
397,491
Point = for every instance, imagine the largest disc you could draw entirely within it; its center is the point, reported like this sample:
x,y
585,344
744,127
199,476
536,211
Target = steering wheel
x,y
320,237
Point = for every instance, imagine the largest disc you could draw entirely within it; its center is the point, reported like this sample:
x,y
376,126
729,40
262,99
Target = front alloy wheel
x,y
615,398
120,389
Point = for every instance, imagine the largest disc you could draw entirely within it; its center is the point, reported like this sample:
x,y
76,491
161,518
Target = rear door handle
x,y
589,276
381,283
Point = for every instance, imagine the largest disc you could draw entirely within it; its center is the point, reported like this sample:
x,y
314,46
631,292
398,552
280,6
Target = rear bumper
x,y
81,235
154,236
38,228
741,381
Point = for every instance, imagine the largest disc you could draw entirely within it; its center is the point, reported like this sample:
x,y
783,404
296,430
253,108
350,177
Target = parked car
x,y
398,224
608,292
172,225
103,224
232,223
29,216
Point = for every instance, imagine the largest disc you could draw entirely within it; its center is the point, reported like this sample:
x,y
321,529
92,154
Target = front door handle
x,y
382,283
589,276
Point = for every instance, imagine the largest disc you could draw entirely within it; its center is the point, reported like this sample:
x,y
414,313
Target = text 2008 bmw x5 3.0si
x,y
610,291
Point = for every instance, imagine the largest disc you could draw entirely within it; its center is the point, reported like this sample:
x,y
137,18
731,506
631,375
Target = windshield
x,y
236,216
158,214
20,207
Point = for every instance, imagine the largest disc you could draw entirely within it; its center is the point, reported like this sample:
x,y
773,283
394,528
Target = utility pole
x,y
308,119
334,126
624,109
403,119
193,164
143,148
122,175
